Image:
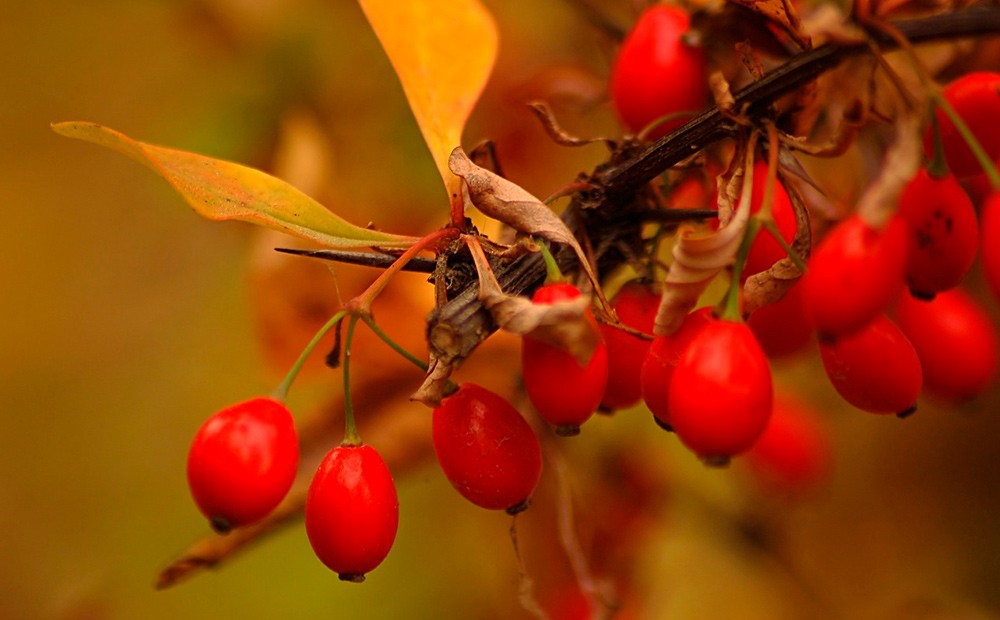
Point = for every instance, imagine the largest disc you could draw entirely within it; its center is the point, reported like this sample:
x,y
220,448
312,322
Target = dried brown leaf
x,y
567,324
699,257
782,14
902,159
508,202
545,115
511,204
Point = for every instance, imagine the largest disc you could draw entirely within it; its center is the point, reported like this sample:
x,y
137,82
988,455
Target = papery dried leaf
x,y
511,204
780,13
508,202
902,159
551,126
432,391
770,286
443,53
221,190
722,94
565,324
699,256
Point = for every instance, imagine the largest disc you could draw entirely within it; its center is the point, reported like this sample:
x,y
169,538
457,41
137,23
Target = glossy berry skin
x,y
782,328
242,462
564,393
486,449
854,275
944,233
661,360
636,304
794,455
976,99
352,511
989,248
721,393
956,342
657,74
876,369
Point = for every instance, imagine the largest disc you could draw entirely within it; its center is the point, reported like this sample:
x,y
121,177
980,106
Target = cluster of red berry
x,y
243,462
709,381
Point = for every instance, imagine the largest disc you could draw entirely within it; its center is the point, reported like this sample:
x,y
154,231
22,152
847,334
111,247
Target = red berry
x,y
781,328
657,73
955,340
636,305
990,249
854,275
661,360
976,99
352,511
721,392
944,233
486,449
563,392
876,369
242,462
794,454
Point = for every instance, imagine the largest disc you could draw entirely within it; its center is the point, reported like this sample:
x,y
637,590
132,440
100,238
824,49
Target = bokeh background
x,y
126,320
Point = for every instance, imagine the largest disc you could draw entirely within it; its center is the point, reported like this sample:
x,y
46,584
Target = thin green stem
x,y
351,437
937,167
281,392
792,254
731,305
552,272
989,167
416,361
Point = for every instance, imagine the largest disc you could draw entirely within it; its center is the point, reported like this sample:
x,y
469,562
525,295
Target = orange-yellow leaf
x,y
221,190
443,53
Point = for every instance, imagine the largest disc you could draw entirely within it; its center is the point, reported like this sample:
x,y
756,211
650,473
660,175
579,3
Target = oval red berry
x,y
657,73
955,340
242,462
352,511
944,233
636,304
564,393
854,275
876,369
488,452
721,392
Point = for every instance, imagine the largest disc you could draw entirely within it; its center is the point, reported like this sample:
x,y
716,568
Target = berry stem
x,y
553,274
281,392
792,254
363,302
416,361
351,437
984,160
731,305
937,167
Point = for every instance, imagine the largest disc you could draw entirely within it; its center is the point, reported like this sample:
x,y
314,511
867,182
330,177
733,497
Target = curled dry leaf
x,y
770,286
781,13
544,114
511,204
563,324
903,158
699,257
508,202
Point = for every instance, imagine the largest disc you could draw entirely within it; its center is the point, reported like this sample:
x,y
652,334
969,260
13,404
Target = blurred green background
x,y
127,320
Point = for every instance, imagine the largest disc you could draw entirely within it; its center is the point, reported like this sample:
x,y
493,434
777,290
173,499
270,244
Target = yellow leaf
x,y
443,52
221,190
